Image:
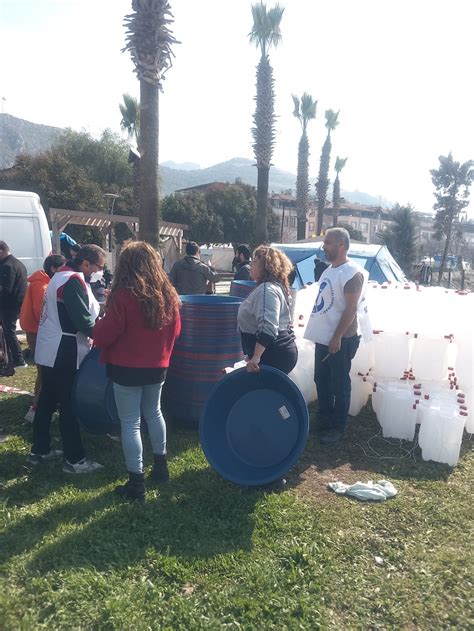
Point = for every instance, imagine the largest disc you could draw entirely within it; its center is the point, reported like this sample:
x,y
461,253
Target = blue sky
x,y
400,72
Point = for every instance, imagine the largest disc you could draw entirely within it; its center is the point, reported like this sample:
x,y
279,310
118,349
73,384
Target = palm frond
x,y
340,164
332,119
296,111
149,39
266,26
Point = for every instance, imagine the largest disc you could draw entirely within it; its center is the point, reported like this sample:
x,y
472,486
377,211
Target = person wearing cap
x,y
64,339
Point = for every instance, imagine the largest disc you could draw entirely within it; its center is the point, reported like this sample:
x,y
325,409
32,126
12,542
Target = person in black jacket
x,y
13,285
319,267
242,262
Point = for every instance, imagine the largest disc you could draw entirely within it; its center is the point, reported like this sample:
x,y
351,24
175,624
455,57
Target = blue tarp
x,y
376,259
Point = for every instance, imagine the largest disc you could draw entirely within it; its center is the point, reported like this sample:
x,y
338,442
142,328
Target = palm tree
x,y
323,182
130,110
265,33
336,189
305,110
130,123
149,41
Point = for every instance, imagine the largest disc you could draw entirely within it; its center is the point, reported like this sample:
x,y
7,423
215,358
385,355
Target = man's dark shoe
x,y
322,424
331,436
20,364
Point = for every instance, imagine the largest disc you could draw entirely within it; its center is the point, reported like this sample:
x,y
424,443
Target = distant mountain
x,y
244,169
229,171
181,166
20,136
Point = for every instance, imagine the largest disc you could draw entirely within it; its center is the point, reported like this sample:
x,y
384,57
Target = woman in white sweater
x,y
264,317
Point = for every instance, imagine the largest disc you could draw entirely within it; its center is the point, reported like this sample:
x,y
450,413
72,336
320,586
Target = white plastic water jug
x,y
429,357
397,415
391,354
465,363
359,395
440,435
303,373
364,358
304,303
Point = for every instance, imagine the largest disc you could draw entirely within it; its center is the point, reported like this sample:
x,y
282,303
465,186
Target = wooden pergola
x,y
60,218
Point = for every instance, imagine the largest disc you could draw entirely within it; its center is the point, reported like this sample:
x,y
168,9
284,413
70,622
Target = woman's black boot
x,y
134,489
160,471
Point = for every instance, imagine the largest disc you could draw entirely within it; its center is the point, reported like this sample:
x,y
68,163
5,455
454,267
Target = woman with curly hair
x,y
136,337
264,317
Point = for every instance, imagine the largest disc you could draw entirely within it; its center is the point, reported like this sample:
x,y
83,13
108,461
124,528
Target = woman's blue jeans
x,y
132,403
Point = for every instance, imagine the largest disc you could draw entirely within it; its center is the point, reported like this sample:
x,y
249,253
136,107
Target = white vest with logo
x,y
330,304
50,331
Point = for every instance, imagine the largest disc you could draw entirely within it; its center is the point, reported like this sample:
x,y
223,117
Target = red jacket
x,y
125,340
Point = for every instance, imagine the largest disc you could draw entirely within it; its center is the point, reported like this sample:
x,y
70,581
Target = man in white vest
x,y
64,339
334,327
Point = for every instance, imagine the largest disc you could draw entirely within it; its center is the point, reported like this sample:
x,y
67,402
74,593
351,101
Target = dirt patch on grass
x,y
362,455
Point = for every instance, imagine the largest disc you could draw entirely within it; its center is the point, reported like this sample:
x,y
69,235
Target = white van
x,y
23,226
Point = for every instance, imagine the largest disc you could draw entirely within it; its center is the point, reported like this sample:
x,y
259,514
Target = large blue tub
x,y
209,342
254,427
93,397
242,288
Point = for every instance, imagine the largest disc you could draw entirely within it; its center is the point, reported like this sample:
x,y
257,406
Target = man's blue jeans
x,y
333,383
132,402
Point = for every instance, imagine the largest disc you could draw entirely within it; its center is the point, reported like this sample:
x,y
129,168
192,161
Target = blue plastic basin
x,y
242,288
93,397
254,427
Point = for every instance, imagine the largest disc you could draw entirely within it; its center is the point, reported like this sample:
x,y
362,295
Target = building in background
x,y
368,220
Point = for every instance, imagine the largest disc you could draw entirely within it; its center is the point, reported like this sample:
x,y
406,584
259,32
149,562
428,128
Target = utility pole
x,y
110,198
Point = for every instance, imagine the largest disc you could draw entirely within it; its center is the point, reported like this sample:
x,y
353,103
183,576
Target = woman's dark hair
x,y
54,260
91,253
139,270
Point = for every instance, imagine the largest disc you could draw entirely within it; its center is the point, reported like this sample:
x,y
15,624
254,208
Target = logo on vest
x,y
325,299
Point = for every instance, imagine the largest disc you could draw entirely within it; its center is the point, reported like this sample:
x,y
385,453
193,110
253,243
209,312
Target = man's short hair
x,y
4,246
192,248
341,235
53,260
245,250
91,253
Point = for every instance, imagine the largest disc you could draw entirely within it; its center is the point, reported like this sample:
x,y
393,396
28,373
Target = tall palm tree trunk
x,y
262,204
302,187
322,184
149,207
336,201
264,135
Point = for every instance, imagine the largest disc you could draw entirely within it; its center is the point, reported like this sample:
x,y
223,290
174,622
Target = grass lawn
x,y
205,554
